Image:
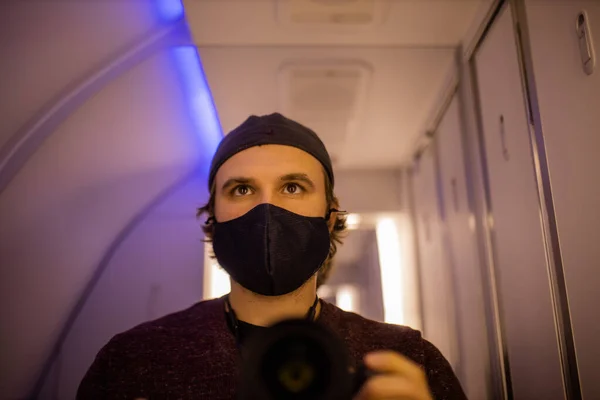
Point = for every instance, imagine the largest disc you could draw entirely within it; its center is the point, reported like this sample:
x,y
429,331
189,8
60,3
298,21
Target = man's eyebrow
x,y
236,180
297,177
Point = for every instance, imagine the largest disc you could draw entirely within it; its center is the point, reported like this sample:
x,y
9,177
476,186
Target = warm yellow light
x,y
216,280
353,221
346,298
391,271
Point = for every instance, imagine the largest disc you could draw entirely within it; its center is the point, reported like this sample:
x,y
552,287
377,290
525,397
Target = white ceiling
x,y
407,54
259,22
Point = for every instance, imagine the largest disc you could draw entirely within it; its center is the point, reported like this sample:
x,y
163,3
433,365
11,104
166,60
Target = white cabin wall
x,y
528,115
461,255
368,191
569,124
435,275
517,233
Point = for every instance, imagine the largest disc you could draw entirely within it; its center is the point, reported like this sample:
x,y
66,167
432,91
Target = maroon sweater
x,y
192,354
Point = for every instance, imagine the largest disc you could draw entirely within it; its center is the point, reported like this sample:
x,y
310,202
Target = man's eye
x,y
241,190
293,188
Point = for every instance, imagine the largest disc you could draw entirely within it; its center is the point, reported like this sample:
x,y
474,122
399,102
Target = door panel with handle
x,y
517,234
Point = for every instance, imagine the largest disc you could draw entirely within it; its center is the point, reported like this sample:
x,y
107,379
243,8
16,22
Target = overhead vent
x,y
329,97
332,13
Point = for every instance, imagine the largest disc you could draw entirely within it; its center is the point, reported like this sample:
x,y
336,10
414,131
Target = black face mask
x,y
271,251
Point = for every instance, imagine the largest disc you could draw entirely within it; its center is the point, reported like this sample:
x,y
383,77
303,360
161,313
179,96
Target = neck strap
x,y
235,323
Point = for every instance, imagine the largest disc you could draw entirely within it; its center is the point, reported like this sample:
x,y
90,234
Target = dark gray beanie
x,y
270,129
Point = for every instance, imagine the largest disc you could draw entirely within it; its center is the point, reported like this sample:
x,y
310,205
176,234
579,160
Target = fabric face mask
x,y
270,250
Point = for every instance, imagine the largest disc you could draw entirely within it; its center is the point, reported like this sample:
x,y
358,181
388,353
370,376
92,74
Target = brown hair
x,y
339,227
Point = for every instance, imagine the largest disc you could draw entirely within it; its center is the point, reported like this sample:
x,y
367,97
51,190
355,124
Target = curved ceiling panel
x,y
157,269
64,208
38,37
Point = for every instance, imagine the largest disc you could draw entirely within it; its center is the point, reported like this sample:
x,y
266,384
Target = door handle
x,y
454,194
586,50
505,152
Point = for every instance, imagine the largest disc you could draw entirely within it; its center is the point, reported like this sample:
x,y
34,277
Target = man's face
x,y
284,176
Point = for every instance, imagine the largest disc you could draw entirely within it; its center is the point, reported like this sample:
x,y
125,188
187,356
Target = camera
x,y
297,360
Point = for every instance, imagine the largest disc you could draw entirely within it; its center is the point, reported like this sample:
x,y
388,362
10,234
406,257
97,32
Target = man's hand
x,y
398,378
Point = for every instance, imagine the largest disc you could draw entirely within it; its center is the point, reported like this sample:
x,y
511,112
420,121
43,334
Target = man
x,y
274,224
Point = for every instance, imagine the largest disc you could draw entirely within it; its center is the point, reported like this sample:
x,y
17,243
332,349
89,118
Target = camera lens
x,y
296,367
296,360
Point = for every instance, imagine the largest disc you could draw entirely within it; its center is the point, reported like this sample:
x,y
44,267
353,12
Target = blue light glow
x,y
169,10
202,108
